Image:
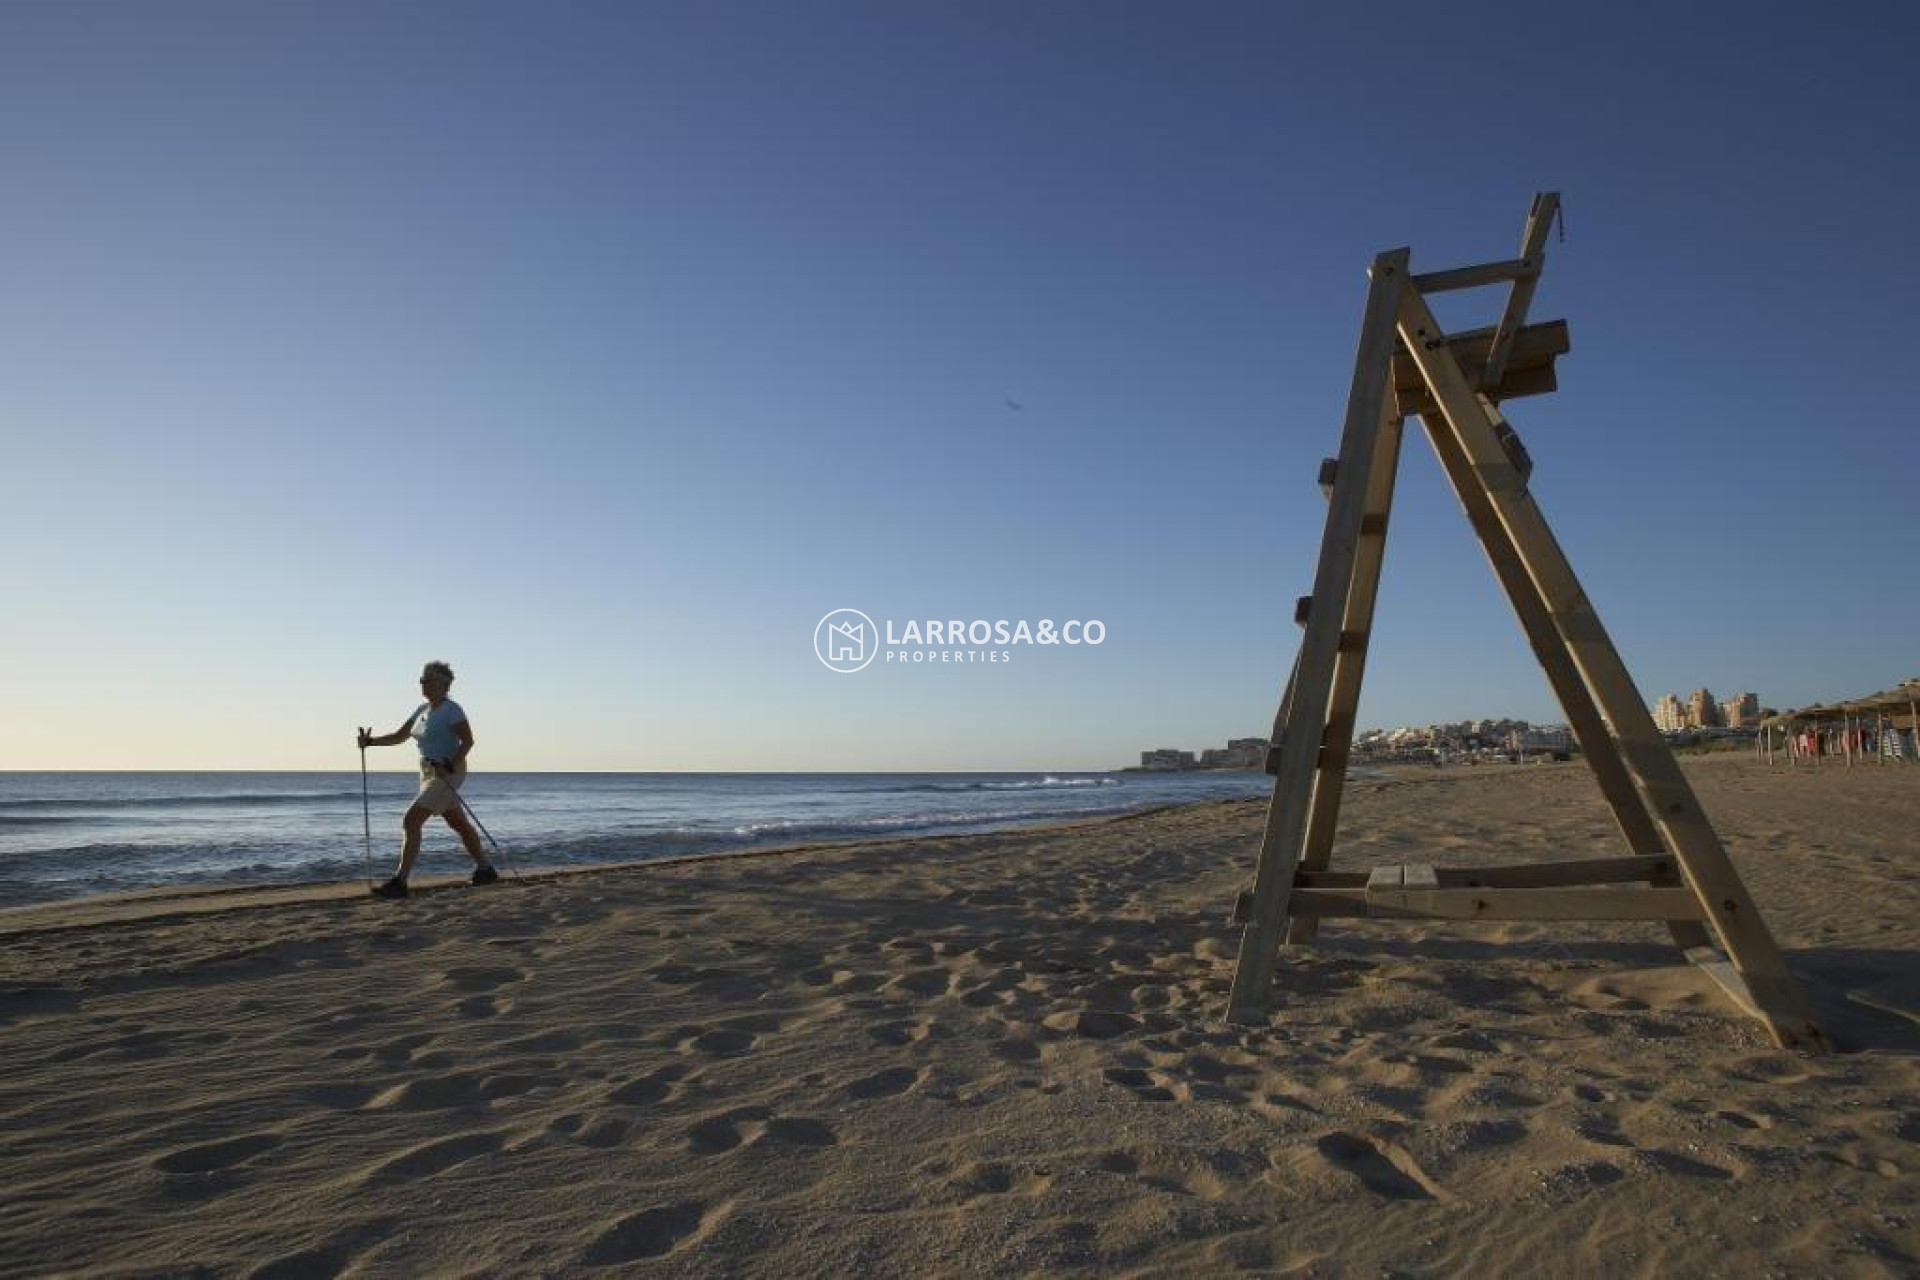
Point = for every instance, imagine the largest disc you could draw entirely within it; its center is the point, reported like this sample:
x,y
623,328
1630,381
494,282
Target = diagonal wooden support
x,y
1356,630
1533,248
1307,713
1476,427
1597,744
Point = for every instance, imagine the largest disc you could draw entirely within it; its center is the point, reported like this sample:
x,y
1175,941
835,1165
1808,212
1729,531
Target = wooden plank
x,y
1516,385
1343,704
1536,346
1498,904
1520,875
1533,246
1597,744
1431,282
1280,717
1735,917
1418,875
1285,825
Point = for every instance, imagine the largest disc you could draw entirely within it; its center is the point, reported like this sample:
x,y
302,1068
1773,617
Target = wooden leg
x,y
1589,728
1343,705
1307,719
1735,918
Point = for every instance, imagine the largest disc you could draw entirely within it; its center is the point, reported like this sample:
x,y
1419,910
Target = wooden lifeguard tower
x,y
1675,869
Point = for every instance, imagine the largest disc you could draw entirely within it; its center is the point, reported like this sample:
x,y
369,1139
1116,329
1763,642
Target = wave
x,y
227,800
1029,784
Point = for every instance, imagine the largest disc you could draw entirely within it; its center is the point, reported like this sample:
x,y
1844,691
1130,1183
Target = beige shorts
x,y
439,794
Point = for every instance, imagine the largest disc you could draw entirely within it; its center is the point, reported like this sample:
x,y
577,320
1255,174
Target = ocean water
x,y
68,835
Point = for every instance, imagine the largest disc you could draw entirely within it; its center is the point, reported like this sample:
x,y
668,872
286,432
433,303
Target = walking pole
x,y
366,812
511,869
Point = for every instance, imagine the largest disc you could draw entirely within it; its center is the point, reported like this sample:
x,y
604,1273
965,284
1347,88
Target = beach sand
x,y
982,1055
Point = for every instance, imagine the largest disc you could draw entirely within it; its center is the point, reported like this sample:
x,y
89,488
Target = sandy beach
x,y
982,1055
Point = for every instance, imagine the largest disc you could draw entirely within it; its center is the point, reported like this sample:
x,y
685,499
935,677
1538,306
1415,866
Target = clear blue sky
x,y
602,349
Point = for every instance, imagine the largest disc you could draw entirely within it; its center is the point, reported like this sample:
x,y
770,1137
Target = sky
x,y
601,350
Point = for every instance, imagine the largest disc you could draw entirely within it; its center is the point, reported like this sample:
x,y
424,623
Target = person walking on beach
x,y
444,735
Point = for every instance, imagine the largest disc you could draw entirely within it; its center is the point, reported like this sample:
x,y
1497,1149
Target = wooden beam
x,y
1286,821
1431,282
1597,744
1535,347
1533,247
1497,904
1724,898
1280,717
1343,703
1517,385
1518,875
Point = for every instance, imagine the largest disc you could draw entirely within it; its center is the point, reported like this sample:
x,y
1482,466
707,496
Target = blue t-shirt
x,y
433,729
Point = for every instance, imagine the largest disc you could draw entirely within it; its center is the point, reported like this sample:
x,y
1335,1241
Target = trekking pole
x,y
511,869
366,811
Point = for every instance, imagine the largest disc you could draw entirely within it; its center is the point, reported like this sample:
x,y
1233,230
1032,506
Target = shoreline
x,y
210,898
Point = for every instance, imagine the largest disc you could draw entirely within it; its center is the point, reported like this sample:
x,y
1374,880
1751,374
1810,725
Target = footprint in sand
x,y
995,1178
588,1131
1094,1024
757,1127
921,982
729,1039
900,1033
339,1095
431,1158
1144,1085
1015,1050
655,1086
332,1258
722,1042
209,1156
433,1093
398,1051
480,977
1381,1168
885,1084
1604,1131
609,1132
494,1088
1686,1166
543,1042
652,1233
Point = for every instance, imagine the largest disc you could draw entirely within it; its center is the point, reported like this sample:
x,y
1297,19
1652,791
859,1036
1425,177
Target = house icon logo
x,y
845,640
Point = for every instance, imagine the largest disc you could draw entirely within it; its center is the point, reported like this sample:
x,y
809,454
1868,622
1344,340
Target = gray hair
x,y
440,669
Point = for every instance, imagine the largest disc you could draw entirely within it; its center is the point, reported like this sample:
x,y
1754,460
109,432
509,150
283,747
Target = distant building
x,y
1669,715
1741,711
1702,711
1551,739
1166,759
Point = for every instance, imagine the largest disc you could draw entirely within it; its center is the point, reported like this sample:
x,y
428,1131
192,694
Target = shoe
x,y
485,874
394,888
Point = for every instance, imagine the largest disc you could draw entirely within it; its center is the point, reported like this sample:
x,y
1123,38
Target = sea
x,y
72,835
